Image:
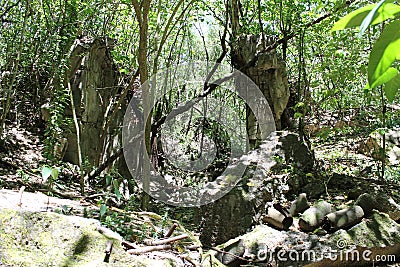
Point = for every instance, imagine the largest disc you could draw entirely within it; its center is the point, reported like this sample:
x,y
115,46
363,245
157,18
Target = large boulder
x,y
46,238
93,79
379,201
242,207
295,151
32,235
226,218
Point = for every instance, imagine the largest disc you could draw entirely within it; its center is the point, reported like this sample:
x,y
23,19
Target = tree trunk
x,y
92,79
142,14
268,73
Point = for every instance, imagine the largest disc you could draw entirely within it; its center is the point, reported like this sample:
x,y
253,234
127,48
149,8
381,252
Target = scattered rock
x,y
340,182
314,190
313,217
343,218
299,205
388,205
367,203
225,218
378,235
381,202
296,152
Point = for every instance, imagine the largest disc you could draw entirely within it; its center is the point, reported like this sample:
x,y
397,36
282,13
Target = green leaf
x,y
116,189
368,19
46,172
103,210
384,52
250,184
355,18
54,173
392,87
384,78
64,208
117,193
108,179
298,115
124,71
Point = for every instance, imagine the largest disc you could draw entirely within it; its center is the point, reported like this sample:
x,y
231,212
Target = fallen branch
x,y
108,233
55,191
148,249
165,241
95,195
108,250
129,245
192,247
193,262
171,230
21,191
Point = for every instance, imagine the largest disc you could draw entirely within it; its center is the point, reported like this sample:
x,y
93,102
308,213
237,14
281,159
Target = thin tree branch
x,y
111,159
308,25
150,242
110,119
167,30
292,35
260,22
137,8
199,30
223,53
8,9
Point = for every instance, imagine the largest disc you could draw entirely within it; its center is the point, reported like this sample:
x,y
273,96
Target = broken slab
x,y
49,239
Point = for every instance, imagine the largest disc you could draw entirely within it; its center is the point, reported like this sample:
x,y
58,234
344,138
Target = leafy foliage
x,y
368,13
386,49
326,72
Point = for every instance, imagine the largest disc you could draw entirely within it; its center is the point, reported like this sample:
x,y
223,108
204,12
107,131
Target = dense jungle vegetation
x,y
70,70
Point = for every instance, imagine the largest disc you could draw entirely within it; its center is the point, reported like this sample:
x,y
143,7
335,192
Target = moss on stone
x,y
377,231
51,239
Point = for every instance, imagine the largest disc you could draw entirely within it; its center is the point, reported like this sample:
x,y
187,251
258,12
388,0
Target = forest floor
x,y
335,143
20,158
21,162
336,146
